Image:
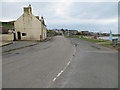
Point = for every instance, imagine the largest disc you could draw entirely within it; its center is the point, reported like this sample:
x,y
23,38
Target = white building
x,y
29,27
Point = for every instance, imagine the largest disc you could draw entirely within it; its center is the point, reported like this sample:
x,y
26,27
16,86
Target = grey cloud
x,y
77,10
90,10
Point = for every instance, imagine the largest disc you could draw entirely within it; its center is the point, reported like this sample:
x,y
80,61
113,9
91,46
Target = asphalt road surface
x,y
93,66
36,67
61,63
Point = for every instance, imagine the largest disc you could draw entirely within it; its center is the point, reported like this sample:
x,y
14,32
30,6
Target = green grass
x,y
94,40
118,49
110,45
107,42
87,39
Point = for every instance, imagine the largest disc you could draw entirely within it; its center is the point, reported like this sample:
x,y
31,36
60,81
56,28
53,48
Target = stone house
x,y
29,27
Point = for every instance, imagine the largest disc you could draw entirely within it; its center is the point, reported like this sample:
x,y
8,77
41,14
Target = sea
x,y
107,38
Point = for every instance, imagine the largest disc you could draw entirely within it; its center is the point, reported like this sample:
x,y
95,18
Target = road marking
x,y
68,63
59,73
65,66
54,79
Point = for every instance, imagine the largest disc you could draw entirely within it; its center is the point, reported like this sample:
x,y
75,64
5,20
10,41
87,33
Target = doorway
x,y
19,35
14,36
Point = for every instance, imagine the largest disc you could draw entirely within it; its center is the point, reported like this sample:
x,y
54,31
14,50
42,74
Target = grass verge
x,y
94,40
117,47
105,43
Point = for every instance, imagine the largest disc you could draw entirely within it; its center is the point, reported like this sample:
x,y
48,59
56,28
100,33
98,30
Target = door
x,y
14,36
19,35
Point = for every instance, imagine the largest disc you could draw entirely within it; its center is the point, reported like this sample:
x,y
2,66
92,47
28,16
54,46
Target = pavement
x,y
61,63
5,43
15,45
18,45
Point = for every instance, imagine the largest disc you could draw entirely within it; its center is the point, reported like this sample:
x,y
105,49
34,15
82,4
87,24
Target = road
x,y
36,66
59,64
93,66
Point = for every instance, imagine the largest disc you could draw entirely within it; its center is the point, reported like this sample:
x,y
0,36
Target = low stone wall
x,y
7,37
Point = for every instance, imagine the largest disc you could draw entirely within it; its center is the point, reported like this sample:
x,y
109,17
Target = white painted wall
x,y
30,25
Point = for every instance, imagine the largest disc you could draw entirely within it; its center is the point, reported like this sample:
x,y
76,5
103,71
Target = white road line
x,y
68,63
54,79
60,73
65,67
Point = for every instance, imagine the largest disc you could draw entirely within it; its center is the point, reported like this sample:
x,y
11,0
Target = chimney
x,y
42,20
28,10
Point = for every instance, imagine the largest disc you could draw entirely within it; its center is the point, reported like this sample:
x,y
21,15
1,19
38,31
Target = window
x,y
24,34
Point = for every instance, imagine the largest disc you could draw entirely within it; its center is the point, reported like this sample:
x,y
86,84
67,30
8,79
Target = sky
x,y
93,16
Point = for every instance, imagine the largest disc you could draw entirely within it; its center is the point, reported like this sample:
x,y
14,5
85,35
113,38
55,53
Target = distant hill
x,y
5,26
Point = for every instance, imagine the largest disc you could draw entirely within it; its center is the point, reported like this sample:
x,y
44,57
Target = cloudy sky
x,y
89,16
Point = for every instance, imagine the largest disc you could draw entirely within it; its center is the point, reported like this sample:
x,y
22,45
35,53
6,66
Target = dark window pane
x,y
23,34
